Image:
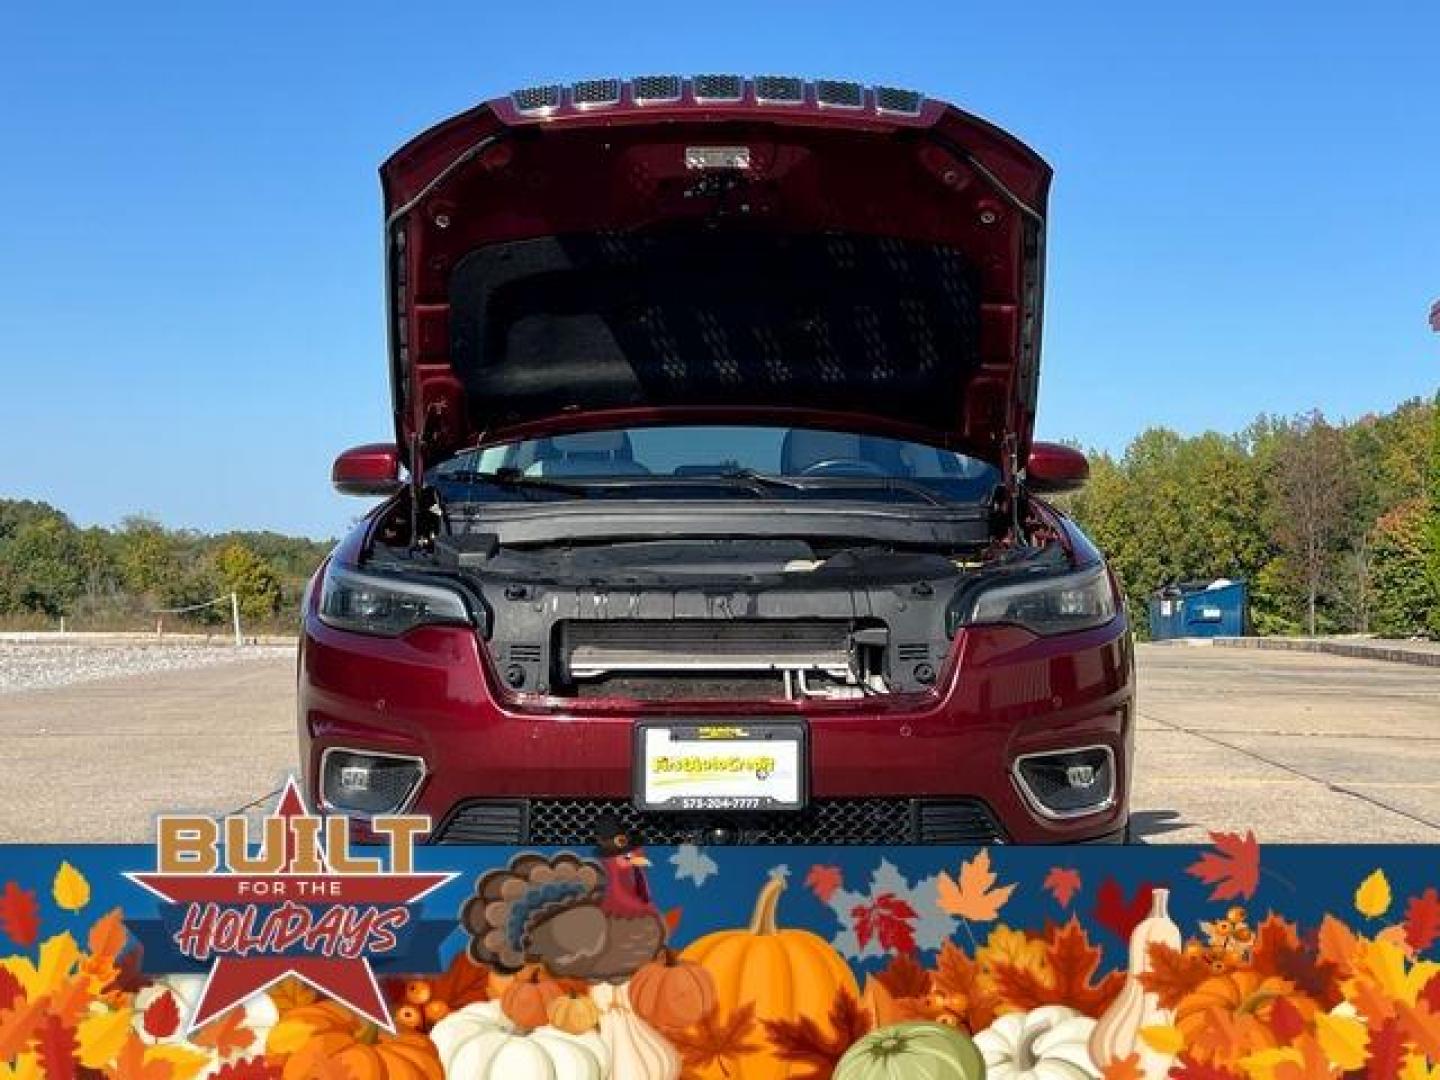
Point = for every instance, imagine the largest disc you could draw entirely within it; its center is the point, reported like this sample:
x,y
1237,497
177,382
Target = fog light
x,y
1068,783
367,783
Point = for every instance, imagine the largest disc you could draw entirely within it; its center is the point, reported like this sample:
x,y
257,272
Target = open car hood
x,y
715,249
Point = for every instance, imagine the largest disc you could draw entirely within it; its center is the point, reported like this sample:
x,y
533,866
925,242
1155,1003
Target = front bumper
x,y
929,768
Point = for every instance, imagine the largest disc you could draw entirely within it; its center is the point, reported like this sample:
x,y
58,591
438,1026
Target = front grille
x,y
825,822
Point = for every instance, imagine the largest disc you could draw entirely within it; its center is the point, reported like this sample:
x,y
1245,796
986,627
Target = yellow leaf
x,y
185,1063
1262,1064
972,896
1163,1039
1383,963
58,957
288,1036
71,890
1343,1039
101,1037
1372,898
25,1067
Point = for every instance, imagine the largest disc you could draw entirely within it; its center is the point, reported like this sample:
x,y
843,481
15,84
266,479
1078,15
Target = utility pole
x,y
235,615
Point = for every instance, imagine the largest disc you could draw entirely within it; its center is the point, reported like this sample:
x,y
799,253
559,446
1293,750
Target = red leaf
x,y
1387,1051
672,919
824,881
1186,1069
10,989
1285,1020
1422,920
1118,915
1233,867
253,1068
55,1046
19,915
1062,883
162,1018
1431,994
888,920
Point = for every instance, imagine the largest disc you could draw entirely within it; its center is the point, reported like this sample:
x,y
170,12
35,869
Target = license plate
x,y
729,766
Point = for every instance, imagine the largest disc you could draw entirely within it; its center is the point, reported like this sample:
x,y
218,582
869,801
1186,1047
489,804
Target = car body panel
x,y
498,174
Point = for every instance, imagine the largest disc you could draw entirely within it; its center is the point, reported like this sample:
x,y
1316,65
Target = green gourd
x,y
920,1049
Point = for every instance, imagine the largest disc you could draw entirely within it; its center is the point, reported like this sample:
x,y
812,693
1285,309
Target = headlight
x,y
371,604
1050,605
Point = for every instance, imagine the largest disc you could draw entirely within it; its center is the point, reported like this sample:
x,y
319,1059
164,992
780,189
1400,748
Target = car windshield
x,y
707,461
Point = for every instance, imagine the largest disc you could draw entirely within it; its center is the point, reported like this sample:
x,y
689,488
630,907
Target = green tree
x,y
251,578
41,565
1406,597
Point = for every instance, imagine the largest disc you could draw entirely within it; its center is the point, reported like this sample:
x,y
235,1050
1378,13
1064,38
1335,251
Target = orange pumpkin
x,y
574,1013
1245,998
672,993
326,1033
526,1001
785,974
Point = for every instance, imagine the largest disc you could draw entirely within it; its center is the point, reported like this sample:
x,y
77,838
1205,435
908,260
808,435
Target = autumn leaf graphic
x,y
1373,897
19,915
974,895
824,881
889,920
1062,883
1422,920
1233,867
1117,914
71,890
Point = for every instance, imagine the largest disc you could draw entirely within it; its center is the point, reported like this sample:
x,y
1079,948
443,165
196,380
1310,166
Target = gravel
x,y
44,666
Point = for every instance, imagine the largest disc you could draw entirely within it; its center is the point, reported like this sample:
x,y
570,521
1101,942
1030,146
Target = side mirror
x,y
373,469
1052,469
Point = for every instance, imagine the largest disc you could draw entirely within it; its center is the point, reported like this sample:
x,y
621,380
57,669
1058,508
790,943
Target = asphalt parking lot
x,y
1300,747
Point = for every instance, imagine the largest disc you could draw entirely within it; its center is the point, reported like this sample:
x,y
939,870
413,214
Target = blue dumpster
x,y
1198,609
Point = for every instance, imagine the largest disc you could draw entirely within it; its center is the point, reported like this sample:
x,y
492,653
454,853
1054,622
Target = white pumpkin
x,y
637,1050
1048,1043
260,1016
479,1042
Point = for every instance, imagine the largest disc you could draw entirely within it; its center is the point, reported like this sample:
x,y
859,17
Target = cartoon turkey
x,y
580,918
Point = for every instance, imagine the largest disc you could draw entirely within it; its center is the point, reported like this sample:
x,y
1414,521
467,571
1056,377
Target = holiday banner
x,y
1218,963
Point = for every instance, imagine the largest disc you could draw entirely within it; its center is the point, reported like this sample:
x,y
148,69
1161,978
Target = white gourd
x,y
1117,1035
637,1050
1048,1043
479,1042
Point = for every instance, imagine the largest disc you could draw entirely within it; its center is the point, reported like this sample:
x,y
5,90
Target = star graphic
x,y
233,979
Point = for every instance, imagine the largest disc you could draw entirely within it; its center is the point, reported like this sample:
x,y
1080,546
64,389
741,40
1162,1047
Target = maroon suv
x,y
713,399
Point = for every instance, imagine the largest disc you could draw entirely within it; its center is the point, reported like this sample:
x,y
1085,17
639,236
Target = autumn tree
x,y
1311,492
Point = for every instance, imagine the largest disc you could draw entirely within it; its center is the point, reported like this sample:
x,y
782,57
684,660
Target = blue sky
x,y
1246,216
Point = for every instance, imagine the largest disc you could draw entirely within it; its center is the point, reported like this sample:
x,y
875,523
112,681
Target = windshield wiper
x,y
515,480
818,483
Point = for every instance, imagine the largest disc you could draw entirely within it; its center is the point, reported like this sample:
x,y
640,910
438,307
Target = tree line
x,y
104,579
1335,526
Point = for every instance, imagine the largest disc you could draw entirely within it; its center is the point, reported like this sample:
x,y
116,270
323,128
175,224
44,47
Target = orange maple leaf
x,y
974,896
17,1025
1338,943
107,936
1173,973
1423,1027
1062,883
1071,966
1233,867
227,1035
1126,1068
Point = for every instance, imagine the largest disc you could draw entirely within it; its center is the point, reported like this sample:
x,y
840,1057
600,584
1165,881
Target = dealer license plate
x,y
736,767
